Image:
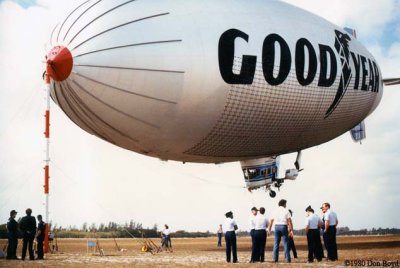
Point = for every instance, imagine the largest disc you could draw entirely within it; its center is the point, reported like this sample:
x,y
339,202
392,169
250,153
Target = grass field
x,y
203,252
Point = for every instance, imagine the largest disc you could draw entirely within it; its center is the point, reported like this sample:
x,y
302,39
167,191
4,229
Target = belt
x,y
280,224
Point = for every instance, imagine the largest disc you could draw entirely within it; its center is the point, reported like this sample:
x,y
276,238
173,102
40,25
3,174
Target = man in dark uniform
x,y
229,228
12,233
323,234
312,228
292,246
331,221
40,237
254,252
28,228
260,234
220,233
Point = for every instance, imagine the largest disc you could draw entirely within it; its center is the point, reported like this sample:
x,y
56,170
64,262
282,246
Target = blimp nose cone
x,y
59,63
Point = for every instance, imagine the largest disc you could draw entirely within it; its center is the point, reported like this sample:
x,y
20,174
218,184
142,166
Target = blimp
x,y
212,81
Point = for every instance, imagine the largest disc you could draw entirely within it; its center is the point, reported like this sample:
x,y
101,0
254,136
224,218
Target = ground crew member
x,y
254,253
292,246
230,237
331,221
28,228
260,234
40,237
323,233
219,233
283,227
312,226
12,234
166,238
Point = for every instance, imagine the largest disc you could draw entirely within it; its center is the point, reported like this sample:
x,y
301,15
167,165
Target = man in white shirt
x,y
312,226
283,228
331,221
166,238
230,237
260,234
253,215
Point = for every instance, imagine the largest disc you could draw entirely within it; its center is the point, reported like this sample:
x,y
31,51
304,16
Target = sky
x,y
93,181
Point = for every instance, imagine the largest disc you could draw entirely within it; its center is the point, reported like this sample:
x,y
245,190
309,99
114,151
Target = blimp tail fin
x,y
358,132
391,81
351,31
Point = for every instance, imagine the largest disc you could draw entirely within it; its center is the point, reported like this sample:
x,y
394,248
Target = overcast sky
x,y
94,181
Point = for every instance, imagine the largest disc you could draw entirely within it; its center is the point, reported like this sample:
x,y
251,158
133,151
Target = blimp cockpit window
x,y
251,173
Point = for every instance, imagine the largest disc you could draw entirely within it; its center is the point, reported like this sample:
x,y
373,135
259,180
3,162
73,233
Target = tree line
x,y
111,230
135,229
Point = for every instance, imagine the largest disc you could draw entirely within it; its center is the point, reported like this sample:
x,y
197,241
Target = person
x,y
12,234
283,227
229,228
219,233
252,223
292,246
41,230
312,229
260,234
166,237
323,233
331,221
28,228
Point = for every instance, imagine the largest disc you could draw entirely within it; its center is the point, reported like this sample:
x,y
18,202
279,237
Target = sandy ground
x,y
203,252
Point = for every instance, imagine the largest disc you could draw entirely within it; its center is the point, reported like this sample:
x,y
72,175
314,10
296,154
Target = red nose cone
x,y
59,63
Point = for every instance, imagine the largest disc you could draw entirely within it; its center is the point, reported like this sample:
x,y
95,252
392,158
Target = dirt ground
x,y
202,252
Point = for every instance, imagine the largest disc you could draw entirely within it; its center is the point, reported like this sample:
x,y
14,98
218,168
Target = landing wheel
x,y
272,194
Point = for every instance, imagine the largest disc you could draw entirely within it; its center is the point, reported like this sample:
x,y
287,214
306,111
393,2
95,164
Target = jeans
x,y
12,246
166,242
230,240
28,244
260,240
314,245
40,248
254,252
219,240
292,247
281,231
331,246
